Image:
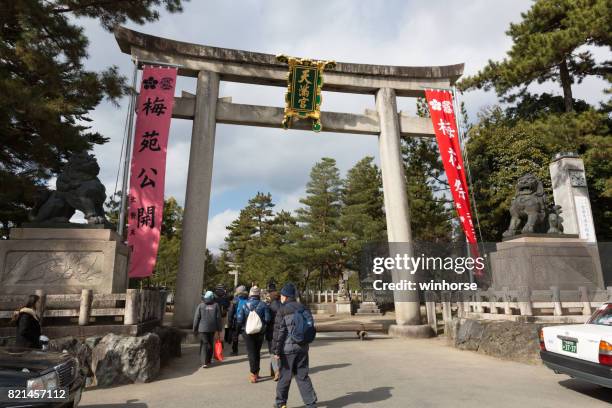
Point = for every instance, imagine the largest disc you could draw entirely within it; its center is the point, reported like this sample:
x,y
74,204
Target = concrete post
x,y
190,277
556,298
584,298
132,306
507,308
41,305
407,307
85,307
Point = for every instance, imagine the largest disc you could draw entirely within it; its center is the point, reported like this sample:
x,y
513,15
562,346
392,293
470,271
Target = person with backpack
x,y
274,304
252,318
240,298
28,324
207,323
294,330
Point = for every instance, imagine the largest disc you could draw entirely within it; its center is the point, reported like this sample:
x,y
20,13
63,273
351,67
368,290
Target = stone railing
x,y
538,306
133,307
326,296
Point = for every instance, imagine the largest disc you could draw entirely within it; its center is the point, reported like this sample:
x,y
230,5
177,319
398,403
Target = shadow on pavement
x,y
588,389
316,369
127,404
358,397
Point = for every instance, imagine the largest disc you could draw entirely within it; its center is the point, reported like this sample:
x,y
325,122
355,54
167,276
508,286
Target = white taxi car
x,y
581,351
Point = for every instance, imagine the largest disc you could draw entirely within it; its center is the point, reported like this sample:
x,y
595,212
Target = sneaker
x,y
204,365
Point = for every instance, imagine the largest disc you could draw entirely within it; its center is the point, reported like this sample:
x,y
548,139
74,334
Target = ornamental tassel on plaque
x,y
304,83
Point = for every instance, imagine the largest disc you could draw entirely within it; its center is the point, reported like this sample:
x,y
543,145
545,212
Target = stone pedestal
x,y
343,307
420,331
62,261
368,309
539,261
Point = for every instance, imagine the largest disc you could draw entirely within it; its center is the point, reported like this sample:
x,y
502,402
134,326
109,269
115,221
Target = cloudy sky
x,y
247,159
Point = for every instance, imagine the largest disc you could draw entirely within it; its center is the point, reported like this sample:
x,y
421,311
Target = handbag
x,y
218,350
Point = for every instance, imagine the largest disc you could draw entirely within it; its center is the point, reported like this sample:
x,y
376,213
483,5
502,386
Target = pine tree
x,y
45,92
322,241
260,209
547,45
168,254
362,218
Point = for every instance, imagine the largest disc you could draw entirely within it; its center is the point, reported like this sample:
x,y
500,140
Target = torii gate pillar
x,y
190,278
407,306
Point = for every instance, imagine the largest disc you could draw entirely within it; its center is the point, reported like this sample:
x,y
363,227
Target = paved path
x,y
377,373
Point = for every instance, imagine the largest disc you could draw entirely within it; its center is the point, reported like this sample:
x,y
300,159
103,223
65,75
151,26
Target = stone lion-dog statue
x,y
529,203
77,188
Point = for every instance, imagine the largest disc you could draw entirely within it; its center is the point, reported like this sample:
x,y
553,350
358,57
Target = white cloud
x,y
216,229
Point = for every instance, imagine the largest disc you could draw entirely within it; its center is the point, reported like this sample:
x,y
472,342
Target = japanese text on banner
x,y
442,114
148,171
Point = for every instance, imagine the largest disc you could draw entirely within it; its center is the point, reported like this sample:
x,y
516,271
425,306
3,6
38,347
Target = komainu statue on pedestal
x,y
77,188
529,204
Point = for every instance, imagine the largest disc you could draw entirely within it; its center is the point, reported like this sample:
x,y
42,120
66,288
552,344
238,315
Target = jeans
x,y
253,346
207,340
295,364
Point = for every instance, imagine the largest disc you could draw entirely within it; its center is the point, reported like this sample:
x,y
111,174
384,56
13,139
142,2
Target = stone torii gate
x,y
211,65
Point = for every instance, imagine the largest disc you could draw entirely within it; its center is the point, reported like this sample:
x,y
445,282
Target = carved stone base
x,y
541,261
343,307
62,260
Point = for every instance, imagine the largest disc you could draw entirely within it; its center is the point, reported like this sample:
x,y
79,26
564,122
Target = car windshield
x,y
603,315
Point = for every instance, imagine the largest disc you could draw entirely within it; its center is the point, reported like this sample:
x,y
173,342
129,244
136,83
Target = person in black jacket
x,y
274,304
240,296
28,324
207,322
293,357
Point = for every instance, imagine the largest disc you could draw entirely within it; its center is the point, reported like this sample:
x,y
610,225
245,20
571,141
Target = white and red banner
x,y
148,171
441,110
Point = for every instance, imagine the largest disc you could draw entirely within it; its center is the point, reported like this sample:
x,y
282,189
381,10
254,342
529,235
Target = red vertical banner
x,y
148,170
442,114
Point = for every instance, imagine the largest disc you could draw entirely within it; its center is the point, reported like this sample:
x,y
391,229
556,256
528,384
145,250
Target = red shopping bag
x,y
218,350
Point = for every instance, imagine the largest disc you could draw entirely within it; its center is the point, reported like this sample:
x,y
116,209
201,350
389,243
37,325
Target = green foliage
x,y
112,209
45,92
502,149
429,215
168,254
548,44
325,236
322,240
362,217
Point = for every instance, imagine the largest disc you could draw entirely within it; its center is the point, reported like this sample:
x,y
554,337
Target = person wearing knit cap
x,y
240,297
292,355
252,310
207,323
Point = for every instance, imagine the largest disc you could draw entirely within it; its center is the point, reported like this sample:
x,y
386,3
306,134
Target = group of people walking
x,y
278,319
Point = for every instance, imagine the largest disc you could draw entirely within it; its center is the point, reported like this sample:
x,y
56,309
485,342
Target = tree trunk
x,y
566,84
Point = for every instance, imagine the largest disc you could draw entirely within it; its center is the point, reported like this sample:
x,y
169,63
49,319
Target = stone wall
x,y
508,340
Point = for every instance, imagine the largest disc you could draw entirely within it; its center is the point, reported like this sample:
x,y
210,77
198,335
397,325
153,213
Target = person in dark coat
x,y
293,357
253,341
240,297
207,323
28,324
274,304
